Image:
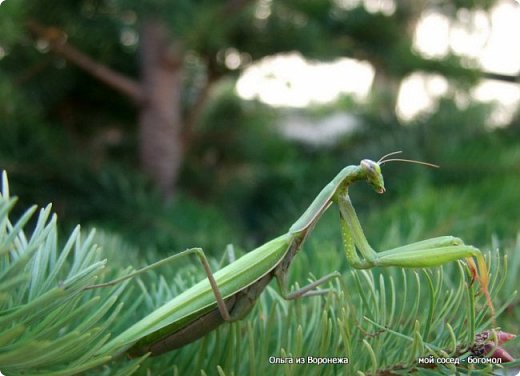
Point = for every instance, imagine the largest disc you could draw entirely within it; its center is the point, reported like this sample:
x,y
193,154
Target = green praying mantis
x,y
230,293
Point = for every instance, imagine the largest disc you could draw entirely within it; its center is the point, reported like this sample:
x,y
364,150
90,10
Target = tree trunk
x,y
160,121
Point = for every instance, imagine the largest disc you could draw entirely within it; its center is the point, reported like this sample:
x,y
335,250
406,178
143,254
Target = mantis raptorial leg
x,y
231,292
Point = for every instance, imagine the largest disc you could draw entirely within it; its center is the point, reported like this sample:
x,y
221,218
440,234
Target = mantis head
x,y
373,175
372,170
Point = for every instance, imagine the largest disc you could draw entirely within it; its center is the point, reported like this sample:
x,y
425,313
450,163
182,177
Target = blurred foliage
x,y
243,178
238,172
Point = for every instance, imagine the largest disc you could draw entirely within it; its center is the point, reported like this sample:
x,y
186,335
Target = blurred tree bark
x,y
160,121
157,94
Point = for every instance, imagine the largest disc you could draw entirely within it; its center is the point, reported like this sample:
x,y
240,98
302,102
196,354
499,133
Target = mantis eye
x,y
368,165
371,167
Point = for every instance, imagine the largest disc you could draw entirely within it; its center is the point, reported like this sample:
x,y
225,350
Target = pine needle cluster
x,y
372,322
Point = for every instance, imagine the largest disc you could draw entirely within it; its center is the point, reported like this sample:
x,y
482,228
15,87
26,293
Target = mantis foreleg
x,y
426,253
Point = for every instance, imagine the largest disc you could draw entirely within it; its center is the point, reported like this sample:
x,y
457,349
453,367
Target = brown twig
x,y
58,44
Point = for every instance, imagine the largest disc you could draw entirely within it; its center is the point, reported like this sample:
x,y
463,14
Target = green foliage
x,y
241,183
382,320
10,18
464,211
128,205
240,162
48,324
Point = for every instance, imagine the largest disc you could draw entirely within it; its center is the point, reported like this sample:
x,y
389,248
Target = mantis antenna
x,y
382,160
389,154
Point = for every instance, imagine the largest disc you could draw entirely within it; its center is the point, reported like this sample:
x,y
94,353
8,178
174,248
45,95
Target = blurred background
x,y
202,123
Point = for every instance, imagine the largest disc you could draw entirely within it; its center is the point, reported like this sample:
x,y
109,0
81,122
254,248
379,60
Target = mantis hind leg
x,y
205,264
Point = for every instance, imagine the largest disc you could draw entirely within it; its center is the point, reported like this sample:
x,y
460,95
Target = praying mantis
x,y
230,293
